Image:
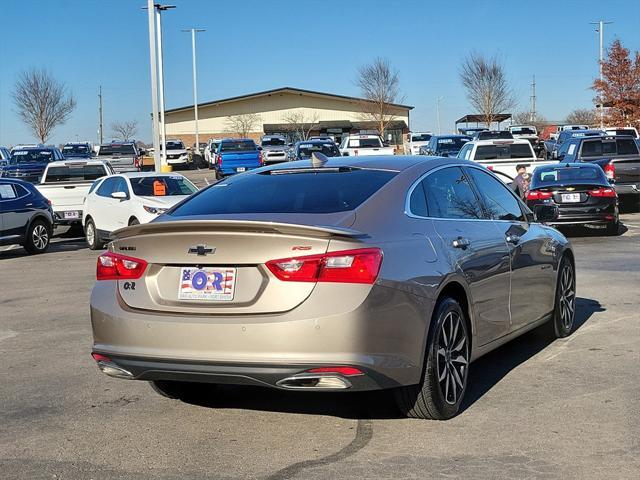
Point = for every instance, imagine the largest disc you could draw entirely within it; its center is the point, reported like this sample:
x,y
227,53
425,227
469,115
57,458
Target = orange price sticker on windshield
x,y
159,188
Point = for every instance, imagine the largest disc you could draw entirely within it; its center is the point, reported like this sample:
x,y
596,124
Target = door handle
x,y
514,239
29,205
461,242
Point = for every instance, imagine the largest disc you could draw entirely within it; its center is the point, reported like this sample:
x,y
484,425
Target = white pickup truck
x,y
66,183
353,145
503,155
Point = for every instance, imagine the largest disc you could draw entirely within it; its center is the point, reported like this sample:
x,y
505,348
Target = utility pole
x,y
600,30
533,100
100,130
154,84
438,100
195,82
163,130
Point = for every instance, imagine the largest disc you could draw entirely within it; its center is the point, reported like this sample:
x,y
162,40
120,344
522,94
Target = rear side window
x,y
418,201
7,191
500,202
324,190
75,173
449,195
506,151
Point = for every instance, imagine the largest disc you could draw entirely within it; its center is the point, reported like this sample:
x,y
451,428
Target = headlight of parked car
x,y
154,210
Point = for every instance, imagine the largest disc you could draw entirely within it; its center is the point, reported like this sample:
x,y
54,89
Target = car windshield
x,y
326,190
175,146
504,151
492,135
117,149
568,175
523,131
161,186
273,141
450,144
425,137
31,156
238,146
75,150
74,173
306,149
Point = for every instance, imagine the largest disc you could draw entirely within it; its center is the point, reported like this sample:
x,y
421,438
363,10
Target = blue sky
x,y
253,45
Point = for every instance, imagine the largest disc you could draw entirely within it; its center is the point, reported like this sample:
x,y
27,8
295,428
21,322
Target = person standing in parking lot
x,y
522,181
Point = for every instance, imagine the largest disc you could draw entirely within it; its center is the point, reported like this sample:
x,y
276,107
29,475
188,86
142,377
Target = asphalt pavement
x,y
535,408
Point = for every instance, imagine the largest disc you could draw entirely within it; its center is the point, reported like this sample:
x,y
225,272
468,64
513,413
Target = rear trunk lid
x,y
627,170
241,159
232,256
65,195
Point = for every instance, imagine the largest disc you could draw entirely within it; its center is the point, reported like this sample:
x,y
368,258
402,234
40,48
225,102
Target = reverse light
x,y
538,195
113,266
347,266
610,170
602,192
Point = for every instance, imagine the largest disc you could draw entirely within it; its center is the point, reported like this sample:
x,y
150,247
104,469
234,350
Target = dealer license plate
x,y
71,215
570,197
208,284
241,169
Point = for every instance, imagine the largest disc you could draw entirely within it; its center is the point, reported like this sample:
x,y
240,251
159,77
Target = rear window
x,y
238,146
306,149
161,186
364,143
117,149
626,146
273,141
493,135
598,148
70,173
497,152
326,190
568,175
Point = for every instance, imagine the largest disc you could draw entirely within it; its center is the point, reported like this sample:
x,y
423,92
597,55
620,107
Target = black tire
x,y
176,390
134,221
561,323
38,237
434,399
218,175
613,228
91,234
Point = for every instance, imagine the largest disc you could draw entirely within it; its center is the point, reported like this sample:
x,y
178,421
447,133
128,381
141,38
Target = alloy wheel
x,y
452,358
91,234
567,297
40,237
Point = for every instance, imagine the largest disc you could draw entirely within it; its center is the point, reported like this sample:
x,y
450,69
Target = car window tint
x,y
121,186
500,202
418,201
449,195
106,188
626,146
7,191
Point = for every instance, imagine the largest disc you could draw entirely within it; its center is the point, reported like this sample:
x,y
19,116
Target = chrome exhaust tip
x,y
115,371
314,382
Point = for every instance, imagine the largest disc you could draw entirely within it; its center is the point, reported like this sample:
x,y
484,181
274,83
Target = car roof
x,y
453,135
501,141
316,140
149,174
34,147
73,161
395,163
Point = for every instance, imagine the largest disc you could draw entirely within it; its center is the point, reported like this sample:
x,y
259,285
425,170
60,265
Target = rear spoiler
x,y
202,226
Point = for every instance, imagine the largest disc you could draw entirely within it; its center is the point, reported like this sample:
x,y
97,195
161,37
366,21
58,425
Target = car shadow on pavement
x,y
493,367
484,374
55,246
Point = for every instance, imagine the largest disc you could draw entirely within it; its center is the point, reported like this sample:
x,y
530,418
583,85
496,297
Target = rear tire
x,y
91,234
38,237
439,395
613,228
563,317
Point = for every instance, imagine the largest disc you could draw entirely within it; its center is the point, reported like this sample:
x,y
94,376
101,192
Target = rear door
x,y
475,247
532,256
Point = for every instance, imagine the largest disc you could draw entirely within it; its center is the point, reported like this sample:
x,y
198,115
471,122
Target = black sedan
x,y
581,192
26,217
304,150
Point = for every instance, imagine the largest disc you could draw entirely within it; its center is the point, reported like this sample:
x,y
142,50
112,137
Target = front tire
x,y
564,311
92,236
38,237
134,221
439,395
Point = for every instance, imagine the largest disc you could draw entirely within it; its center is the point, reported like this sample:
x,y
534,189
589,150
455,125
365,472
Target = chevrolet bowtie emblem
x,y
201,250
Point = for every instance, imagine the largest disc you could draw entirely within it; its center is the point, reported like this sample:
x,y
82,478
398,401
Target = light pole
x,y
438,100
163,130
154,84
195,82
600,30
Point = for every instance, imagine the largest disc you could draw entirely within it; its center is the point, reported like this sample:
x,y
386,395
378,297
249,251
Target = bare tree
x,y
487,88
243,124
42,102
581,116
529,118
380,87
299,124
125,131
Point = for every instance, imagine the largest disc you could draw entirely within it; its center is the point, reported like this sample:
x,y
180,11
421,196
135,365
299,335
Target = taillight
x,y
260,159
610,170
113,266
136,162
603,192
347,266
538,195
346,371
490,167
219,160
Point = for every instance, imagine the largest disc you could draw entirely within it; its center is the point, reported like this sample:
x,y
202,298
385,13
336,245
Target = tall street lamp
x,y
154,84
195,82
163,130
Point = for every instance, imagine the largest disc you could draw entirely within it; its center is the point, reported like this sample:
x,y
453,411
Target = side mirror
x,y
545,213
119,195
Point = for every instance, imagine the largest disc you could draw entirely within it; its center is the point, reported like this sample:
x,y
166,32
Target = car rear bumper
x,y
386,343
627,188
585,218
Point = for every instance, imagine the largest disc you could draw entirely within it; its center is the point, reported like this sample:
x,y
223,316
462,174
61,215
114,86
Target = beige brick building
x,y
322,113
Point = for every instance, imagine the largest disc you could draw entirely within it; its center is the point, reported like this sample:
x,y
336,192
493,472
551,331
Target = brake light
x,y
490,167
538,195
136,162
219,160
347,266
113,266
610,170
260,159
603,192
